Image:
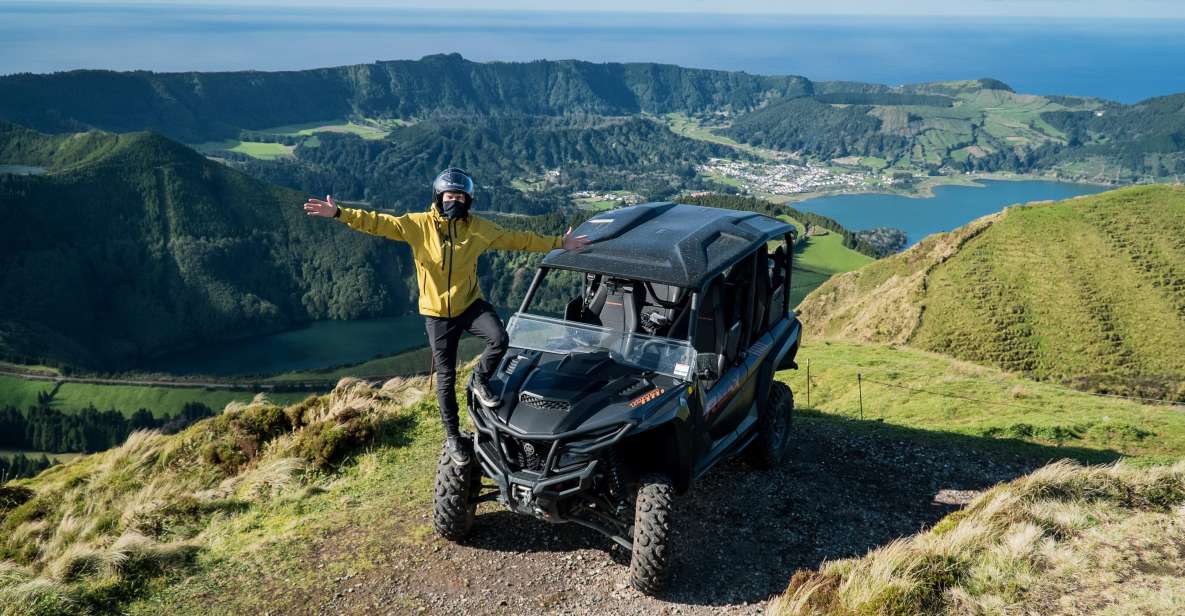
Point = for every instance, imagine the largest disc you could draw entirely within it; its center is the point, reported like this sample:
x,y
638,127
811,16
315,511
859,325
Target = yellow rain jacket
x,y
446,252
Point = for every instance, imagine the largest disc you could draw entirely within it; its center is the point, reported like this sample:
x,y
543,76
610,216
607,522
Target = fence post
x,y
860,390
808,383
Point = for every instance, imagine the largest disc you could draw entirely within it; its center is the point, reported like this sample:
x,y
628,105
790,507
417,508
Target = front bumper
x,y
561,466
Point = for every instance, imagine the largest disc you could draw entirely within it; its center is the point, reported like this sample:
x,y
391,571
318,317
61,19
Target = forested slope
x,y
134,244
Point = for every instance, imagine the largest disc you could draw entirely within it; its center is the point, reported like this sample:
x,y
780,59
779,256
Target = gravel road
x,y
740,533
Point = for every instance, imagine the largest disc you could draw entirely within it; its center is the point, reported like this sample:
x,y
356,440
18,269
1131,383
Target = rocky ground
x,y
740,533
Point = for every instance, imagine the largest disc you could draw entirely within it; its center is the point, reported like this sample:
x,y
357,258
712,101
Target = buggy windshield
x,y
662,355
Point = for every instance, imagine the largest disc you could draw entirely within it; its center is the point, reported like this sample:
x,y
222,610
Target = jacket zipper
x,y
448,297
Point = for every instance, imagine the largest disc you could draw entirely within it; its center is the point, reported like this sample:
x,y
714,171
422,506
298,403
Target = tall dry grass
x,y
996,556
91,529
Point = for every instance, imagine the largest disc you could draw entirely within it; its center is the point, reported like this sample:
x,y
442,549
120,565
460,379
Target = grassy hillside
x,y
1089,292
91,534
1063,540
817,258
974,126
826,253
268,508
905,387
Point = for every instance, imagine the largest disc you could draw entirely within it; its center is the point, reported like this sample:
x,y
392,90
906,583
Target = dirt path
x,y
741,534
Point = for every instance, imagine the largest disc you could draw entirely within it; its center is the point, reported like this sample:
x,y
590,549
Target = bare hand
x,y
574,243
317,207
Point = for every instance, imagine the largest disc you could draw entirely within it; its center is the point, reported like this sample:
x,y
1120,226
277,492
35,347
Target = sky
x,y
1167,9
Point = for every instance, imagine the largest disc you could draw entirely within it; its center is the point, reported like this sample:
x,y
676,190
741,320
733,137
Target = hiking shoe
x,y
457,450
481,389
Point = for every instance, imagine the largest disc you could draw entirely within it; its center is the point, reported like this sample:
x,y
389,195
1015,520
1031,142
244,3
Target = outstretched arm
x,y
324,209
574,243
374,223
505,239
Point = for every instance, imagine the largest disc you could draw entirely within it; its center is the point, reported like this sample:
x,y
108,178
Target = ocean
x,y
1122,60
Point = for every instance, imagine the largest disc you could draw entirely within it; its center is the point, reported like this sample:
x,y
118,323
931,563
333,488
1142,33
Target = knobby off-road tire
x,y
651,555
455,502
773,428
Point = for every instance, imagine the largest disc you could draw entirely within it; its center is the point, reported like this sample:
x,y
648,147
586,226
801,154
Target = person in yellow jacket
x,y
445,243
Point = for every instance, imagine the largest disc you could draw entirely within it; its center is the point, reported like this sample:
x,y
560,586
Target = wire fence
x,y
861,379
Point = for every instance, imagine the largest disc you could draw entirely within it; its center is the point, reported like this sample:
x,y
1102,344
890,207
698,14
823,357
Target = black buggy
x,y
660,366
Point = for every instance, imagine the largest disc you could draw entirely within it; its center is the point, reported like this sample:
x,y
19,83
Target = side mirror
x,y
707,366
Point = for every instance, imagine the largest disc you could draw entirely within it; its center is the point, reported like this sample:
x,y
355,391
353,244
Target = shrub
x,y
13,496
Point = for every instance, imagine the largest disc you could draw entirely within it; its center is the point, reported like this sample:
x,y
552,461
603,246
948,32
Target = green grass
x,y
21,393
973,400
1089,292
264,151
873,162
60,457
724,179
826,253
803,281
1065,535
373,130
595,205
248,500
691,128
525,185
256,149
979,117
818,260
283,528
124,398
160,400
373,500
1090,289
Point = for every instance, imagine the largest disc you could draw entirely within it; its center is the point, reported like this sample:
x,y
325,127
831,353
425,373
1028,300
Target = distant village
x,y
784,178
624,198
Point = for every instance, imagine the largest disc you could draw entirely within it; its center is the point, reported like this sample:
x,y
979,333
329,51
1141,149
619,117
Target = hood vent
x,y
540,402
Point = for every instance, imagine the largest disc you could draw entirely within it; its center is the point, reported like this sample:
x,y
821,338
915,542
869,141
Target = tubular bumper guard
x,y
539,493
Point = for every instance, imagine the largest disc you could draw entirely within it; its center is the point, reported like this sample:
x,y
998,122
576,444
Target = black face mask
x,y
453,210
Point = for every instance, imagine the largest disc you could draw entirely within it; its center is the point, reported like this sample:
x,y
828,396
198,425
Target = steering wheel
x,y
651,346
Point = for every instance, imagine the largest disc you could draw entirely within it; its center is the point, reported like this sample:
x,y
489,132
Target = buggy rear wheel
x,y
454,503
650,557
773,428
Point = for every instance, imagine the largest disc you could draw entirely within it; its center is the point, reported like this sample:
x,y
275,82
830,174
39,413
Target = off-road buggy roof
x,y
668,243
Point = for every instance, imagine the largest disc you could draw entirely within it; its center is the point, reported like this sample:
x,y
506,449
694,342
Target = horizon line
x,y
485,9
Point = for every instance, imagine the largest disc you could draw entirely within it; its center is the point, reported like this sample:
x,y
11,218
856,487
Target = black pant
x,y
444,334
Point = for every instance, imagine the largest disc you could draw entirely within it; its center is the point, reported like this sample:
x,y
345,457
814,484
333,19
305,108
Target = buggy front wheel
x,y
650,556
454,503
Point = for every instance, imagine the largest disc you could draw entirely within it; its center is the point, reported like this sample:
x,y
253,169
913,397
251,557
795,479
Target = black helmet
x,y
452,179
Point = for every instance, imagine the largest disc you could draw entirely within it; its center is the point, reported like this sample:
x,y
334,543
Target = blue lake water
x,y
1120,59
950,207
